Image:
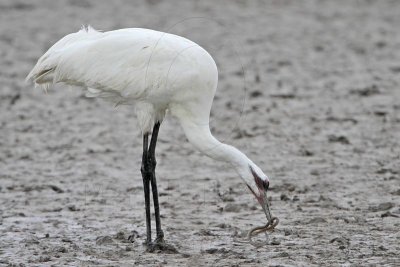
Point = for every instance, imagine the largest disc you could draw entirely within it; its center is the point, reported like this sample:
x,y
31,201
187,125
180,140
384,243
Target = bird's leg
x,y
159,243
152,164
146,175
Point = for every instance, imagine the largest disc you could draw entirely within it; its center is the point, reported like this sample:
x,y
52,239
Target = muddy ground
x,y
309,90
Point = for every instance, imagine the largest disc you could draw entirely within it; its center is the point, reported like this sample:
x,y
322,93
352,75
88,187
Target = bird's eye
x,y
266,185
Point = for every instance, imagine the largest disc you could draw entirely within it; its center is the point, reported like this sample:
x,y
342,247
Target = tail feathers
x,y
43,73
47,70
43,78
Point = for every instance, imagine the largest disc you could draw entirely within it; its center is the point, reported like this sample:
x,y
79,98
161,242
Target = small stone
x,y
383,248
317,220
284,197
350,219
275,242
338,139
290,187
255,94
283,255
61,249
32,240
306,153
102,240
73,208
120,235
44,259
227,198
56,189
342,241
389,214
211,250
232,208
131,238
382,207
223,225
288,232
396,193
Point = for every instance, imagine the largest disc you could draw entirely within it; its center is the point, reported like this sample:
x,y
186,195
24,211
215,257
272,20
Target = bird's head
x,y
258,183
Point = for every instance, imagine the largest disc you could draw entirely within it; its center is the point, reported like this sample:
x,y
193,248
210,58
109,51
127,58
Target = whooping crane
x,y
155,72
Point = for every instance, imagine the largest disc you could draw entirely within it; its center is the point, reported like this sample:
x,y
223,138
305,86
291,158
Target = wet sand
x,y
309,90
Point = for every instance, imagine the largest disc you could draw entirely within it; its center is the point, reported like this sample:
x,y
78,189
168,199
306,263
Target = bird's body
x,y
152,70
155,72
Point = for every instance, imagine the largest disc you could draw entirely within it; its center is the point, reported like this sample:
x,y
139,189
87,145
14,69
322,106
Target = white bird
x,y
156,72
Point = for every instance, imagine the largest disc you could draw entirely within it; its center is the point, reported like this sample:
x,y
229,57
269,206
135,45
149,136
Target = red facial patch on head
x,y
259,182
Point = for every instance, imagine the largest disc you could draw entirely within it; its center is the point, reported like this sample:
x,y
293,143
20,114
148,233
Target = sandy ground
x,y
318,108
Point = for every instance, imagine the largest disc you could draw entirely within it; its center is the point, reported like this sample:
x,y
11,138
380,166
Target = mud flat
x,y
321,116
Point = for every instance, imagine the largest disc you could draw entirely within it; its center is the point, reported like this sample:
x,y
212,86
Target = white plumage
x,y
155,72
137,66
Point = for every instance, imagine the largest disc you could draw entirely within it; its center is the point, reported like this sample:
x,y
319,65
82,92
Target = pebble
x,y
73,208
338,139
223,225
102,240
284,197
255,94
288,232
61,249
120,235
232,207
56,188
389,214
216,250
211,250
342,241
383,248
396,193
44,259
275,242
317,220
283,254
381,207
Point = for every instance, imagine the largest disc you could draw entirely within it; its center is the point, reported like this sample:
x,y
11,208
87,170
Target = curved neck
x,y
201,137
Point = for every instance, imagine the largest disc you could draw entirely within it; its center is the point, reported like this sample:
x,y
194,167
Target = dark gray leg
x,y
146,176
148,170
152,164
159,244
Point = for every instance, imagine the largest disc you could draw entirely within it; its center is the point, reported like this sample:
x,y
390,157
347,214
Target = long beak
x,y
265,207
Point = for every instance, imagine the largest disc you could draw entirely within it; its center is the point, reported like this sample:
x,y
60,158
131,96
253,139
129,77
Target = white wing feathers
x,y
110,64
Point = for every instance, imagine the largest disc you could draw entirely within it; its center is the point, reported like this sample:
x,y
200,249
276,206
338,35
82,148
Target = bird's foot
x,y
159,245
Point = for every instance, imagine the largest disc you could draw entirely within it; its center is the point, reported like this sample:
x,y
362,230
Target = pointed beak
x,y
265,206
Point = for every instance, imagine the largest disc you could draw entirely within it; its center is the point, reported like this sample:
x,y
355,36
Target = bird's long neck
x,y
200,136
